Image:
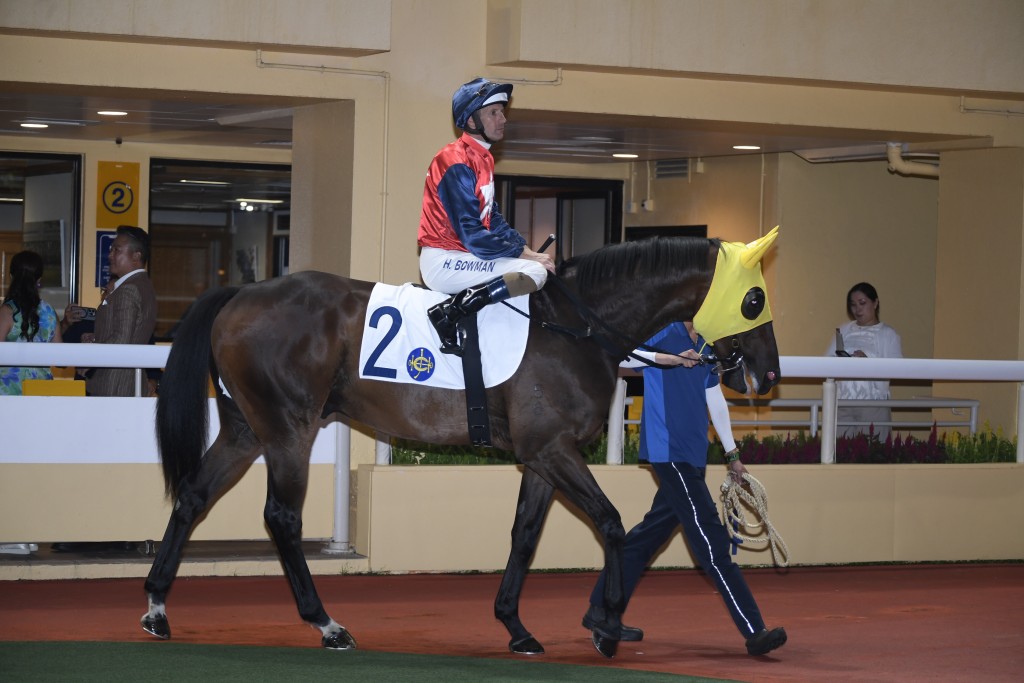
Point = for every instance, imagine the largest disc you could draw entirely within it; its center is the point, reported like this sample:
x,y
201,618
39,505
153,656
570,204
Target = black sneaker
x,y
594,618
765,641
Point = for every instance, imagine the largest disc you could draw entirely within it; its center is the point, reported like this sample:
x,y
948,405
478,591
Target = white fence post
x,y
1020,422
342,474
616,423
382,448
828,421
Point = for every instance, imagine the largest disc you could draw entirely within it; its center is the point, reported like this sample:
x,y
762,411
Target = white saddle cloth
x,y
400,345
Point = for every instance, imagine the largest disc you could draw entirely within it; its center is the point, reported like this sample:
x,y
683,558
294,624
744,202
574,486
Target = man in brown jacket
x,y
128,312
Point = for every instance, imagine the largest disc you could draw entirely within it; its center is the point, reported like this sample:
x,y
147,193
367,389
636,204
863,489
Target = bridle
x,y
723,365
611,340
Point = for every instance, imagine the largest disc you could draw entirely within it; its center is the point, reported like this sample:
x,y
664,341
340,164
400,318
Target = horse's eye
x,y
753,303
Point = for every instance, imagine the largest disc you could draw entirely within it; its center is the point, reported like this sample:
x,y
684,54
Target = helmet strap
x,y
479,130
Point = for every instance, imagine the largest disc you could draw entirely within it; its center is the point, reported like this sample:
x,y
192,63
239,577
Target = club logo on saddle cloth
x,y
400,345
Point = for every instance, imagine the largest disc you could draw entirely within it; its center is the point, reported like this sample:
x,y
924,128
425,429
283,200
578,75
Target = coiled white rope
x,y
733,497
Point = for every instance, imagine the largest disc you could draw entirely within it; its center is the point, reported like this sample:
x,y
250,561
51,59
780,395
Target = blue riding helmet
x,y
476,95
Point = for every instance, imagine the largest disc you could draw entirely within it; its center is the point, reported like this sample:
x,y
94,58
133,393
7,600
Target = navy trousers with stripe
x,y
683,499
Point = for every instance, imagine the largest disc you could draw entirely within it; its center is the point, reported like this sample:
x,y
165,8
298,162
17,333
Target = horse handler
x,y
674,439
467,248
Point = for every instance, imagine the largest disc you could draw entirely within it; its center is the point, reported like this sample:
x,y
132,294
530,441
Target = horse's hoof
x,y
526,646
340,640
603,644
156,625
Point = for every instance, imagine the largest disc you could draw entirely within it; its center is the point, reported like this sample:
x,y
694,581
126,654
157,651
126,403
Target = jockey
x,y
467,248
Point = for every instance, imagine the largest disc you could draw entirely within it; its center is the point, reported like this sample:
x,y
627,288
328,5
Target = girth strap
x,y
478,418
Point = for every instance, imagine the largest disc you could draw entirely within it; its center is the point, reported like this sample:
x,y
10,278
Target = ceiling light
x,y
259,201
623,155
17,200
112,112
32,121
746,147
203,182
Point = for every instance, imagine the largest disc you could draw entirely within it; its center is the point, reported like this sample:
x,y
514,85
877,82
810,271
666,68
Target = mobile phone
x,y
840,350
87,313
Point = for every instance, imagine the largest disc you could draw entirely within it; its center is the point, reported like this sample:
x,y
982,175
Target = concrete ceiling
x,y
265,122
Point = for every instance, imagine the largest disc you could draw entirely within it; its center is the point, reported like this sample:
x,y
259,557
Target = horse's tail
x,y
182,408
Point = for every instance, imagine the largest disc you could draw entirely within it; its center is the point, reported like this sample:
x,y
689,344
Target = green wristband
x,y
732,456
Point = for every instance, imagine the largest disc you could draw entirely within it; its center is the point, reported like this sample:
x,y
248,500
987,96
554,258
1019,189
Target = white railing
x,y
813,407
794,367
333,441
831,369
86,356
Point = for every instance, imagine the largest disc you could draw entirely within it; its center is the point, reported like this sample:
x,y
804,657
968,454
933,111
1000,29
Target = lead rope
x,y
735,521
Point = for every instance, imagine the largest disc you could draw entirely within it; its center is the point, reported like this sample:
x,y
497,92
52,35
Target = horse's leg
x,y
568,473
222,466
287,479
534,501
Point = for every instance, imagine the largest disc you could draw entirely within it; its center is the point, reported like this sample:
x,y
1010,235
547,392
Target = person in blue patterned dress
x,y
25,317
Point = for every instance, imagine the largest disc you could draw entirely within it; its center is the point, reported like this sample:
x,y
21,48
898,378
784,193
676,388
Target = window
x,y
40,209
213,224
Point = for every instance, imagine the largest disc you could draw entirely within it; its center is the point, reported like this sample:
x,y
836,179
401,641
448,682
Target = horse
x,y
287,352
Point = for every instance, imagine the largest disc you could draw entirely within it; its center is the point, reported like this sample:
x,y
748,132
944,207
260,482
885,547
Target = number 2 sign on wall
x,y
117,200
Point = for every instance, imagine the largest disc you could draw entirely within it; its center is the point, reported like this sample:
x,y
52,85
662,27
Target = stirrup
x,y
448,331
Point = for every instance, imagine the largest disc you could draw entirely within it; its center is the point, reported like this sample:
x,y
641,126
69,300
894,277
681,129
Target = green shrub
x,y
983,446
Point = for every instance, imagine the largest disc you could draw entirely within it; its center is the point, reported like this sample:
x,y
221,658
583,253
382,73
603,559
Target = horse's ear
x,y
755,250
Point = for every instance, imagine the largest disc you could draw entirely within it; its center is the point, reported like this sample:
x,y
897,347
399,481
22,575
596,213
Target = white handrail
x,y
828,369
902,368
84,355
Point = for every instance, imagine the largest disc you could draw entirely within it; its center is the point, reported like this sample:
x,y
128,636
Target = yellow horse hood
x,y
736,301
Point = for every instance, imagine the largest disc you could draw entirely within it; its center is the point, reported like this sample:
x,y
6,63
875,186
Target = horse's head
x,y
750,353
736,320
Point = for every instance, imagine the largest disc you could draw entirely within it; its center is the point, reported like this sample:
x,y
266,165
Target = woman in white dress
x,y
865,337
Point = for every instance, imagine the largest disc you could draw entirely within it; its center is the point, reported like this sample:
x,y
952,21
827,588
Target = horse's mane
x,y
639,259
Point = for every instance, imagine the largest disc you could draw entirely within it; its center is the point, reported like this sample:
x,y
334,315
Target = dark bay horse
x,y
287,351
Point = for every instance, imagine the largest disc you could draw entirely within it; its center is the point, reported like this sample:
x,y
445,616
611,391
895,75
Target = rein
x,y
593,319
722,366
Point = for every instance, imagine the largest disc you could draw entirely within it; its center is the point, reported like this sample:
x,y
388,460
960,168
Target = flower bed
x,y
983,446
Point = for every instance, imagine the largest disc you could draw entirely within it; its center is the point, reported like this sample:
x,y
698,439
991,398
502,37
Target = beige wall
x,y
911,43
824,514
847,223
979,273
729,195
451,518
125,501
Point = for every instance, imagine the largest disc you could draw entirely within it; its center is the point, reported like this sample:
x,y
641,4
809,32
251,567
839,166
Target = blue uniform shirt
x,y
675,415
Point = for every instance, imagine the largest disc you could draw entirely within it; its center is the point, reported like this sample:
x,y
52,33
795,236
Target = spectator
x,y
25,317
864,337
674,439
127,314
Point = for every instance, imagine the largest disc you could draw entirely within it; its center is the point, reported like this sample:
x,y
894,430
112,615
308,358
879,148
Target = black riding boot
x,y
446,315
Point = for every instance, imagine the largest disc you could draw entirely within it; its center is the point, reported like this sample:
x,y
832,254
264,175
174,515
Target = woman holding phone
x,y
865,336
